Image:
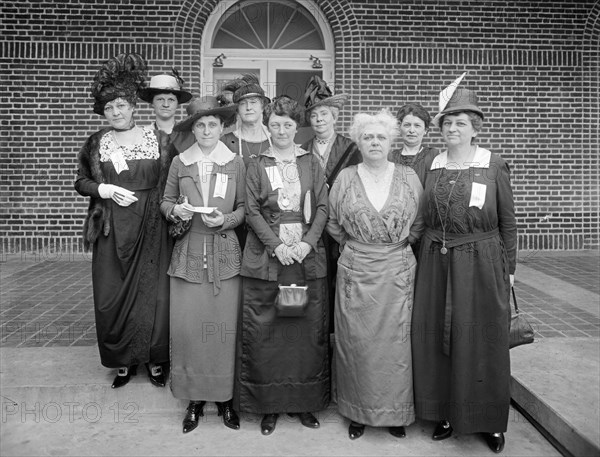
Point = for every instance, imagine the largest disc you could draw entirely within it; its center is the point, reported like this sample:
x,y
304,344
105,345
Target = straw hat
x,y
206,106
455,99
165,83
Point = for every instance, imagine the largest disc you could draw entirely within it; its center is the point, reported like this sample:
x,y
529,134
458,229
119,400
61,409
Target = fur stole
x,y
99,214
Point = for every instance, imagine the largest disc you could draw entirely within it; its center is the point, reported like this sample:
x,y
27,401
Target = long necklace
x,y
285,201
444,249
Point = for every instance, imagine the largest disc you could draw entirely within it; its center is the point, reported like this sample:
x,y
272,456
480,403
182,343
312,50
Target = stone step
x,y
555,382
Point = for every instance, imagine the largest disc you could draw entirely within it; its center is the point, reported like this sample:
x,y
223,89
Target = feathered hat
x,y
454,99
172,83
317,93
120,77
249,86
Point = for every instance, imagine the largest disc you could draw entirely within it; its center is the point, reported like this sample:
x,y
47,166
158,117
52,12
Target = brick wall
x,y
535,66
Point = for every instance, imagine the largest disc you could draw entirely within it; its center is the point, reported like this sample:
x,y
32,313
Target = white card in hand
x,y
478,195
202,209
274,177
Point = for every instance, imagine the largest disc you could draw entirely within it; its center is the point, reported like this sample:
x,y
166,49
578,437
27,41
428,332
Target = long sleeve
x,y
507,222
418,226
334,227
171,193
84,182
236,217
322,205
254,217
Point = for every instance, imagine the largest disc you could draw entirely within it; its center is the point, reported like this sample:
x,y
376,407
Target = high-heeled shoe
x,y
355,430
230,417
495,441
398,432
123,376
443,430
306,419
193,414
268,423
156,375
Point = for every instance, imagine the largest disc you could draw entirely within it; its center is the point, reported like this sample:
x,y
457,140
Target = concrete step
x,y
58,401
555,382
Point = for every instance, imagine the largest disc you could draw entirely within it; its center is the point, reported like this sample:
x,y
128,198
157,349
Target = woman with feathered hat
x,y
123,169
334,151
461,315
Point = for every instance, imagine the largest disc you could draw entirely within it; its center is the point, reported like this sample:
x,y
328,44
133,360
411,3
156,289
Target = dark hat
x,y
455,99
122,76
318,94
206,106
249,86
165,83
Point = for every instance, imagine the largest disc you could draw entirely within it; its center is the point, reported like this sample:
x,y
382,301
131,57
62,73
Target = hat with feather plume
x,y
317,93
249,86
122,76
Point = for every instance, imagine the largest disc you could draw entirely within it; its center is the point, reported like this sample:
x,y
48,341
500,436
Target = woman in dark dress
x,y
284,361
414,125
334,151
123,170
461,316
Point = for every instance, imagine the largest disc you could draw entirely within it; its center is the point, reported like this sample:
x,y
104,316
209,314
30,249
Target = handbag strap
x,y
515,300
338,166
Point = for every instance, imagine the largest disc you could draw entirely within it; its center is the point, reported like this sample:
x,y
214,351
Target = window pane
x,y
268,25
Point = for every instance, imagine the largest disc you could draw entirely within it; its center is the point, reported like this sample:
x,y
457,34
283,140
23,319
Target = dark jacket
x,y
344,150
263,218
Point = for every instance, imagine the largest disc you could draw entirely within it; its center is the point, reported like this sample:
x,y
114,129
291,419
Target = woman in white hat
x,y
206,261
165,94
466,267
123,170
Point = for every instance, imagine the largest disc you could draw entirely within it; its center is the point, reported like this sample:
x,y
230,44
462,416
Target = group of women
x,y
330,230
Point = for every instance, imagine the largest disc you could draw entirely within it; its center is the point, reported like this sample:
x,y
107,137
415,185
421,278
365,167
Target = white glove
x,y
119,195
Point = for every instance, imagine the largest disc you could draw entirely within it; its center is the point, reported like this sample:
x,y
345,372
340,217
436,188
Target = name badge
x,y
478,195
118,161
221,185
274,177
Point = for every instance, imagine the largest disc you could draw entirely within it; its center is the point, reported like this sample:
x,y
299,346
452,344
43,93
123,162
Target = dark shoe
x,y
230,417
398,432
156,375
443,430
123,376
192,415
268,423
306,419
495,441
355,430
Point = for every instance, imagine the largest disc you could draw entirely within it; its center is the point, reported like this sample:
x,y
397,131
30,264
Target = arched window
x,y
283,42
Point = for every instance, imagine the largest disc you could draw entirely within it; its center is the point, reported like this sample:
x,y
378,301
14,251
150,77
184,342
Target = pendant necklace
x,y
376,177
444,249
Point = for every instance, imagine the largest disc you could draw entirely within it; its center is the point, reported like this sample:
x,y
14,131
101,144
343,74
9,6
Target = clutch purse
x,y
179,227
521,331
291,301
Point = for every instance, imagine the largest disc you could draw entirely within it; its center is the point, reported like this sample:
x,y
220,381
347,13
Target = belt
x,y
453,240
369,247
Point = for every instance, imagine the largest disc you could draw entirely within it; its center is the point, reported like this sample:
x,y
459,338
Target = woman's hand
x,y
512,280
300,251
214,219
183,211
119,195
283,254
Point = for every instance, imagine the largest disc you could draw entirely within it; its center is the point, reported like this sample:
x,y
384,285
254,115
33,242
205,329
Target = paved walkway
x,y
48,302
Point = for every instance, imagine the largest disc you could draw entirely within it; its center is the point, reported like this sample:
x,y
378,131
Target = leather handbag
x,y
179,227
291,301
521,331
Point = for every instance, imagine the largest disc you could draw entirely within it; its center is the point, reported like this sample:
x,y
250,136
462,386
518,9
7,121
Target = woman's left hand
x,y
300,251
214,219
512,280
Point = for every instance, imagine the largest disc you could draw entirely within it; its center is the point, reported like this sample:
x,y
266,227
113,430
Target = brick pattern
x,y
535,65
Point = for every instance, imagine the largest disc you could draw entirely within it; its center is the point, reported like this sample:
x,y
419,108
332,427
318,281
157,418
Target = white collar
x,y
220,155
481,159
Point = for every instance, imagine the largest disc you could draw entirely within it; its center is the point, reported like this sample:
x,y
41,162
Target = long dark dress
x,y
283,362
461,315
129,264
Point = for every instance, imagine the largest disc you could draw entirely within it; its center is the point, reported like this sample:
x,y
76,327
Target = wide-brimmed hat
x,y
206,106
317,93
249,86
164,83
455,99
